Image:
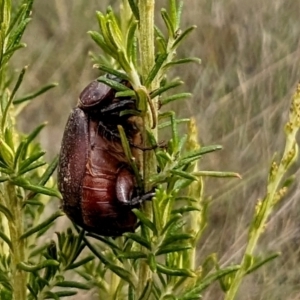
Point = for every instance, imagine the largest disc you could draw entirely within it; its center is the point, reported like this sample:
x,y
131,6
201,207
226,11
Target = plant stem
x,y
264,207
19,277
146,50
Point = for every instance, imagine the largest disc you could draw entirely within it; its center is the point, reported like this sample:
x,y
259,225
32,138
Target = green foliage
x,y
158,261
165,244
26,184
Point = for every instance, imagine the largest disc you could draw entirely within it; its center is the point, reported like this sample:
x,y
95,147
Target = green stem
x,y
16,229
265,207
147,59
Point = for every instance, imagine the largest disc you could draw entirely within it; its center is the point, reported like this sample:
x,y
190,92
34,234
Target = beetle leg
x,y
117,106
140,199
125,189
125,186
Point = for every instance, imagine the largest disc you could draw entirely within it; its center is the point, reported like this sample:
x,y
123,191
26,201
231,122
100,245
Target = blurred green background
x,y
251,63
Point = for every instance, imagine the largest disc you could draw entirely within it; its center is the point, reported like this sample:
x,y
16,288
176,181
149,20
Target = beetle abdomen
x,y
101,209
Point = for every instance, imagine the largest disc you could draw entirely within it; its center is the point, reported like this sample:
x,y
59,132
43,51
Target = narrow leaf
x,y
174,271
175,97
7,213
185,175
183,61
46,175
98,38
132,255
80,262
6,239
42,225
260,263
18,83
165,88
134,9
143,218
109,70
173,248
168,23
32,268
22,182
146,291
217,174
113,84
73,284
35,94
138,239
155,69
206,282
182,36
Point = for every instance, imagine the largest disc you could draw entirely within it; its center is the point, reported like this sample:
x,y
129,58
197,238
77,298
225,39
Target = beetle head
x,y
95,94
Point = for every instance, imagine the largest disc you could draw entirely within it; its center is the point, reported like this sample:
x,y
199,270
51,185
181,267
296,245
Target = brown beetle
x,y
97,183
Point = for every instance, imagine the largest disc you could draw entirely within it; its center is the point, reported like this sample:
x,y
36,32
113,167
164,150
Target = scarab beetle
x,y
98,186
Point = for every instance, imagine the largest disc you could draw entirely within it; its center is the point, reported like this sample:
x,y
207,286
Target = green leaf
x,y
7,213
173,220
98,38
155,69
6,239
107,240
127,151
152,262
160,35
195,155
73,284
124,274
138,239
177,121
58,295
109,70
33,268
4,178
46,176
183,61
108,40
143,218
128,94
258,263
134,9
146,293
18,83
13,49
80,262
113,84
131,40
196,291
22,182
35,94
173,248
168,23
165,88
132,255
39,250
7,153
182,36
31,167
174,271
175,238
42,225
184,209
17,17
217,174
184,175
142,99
175,97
